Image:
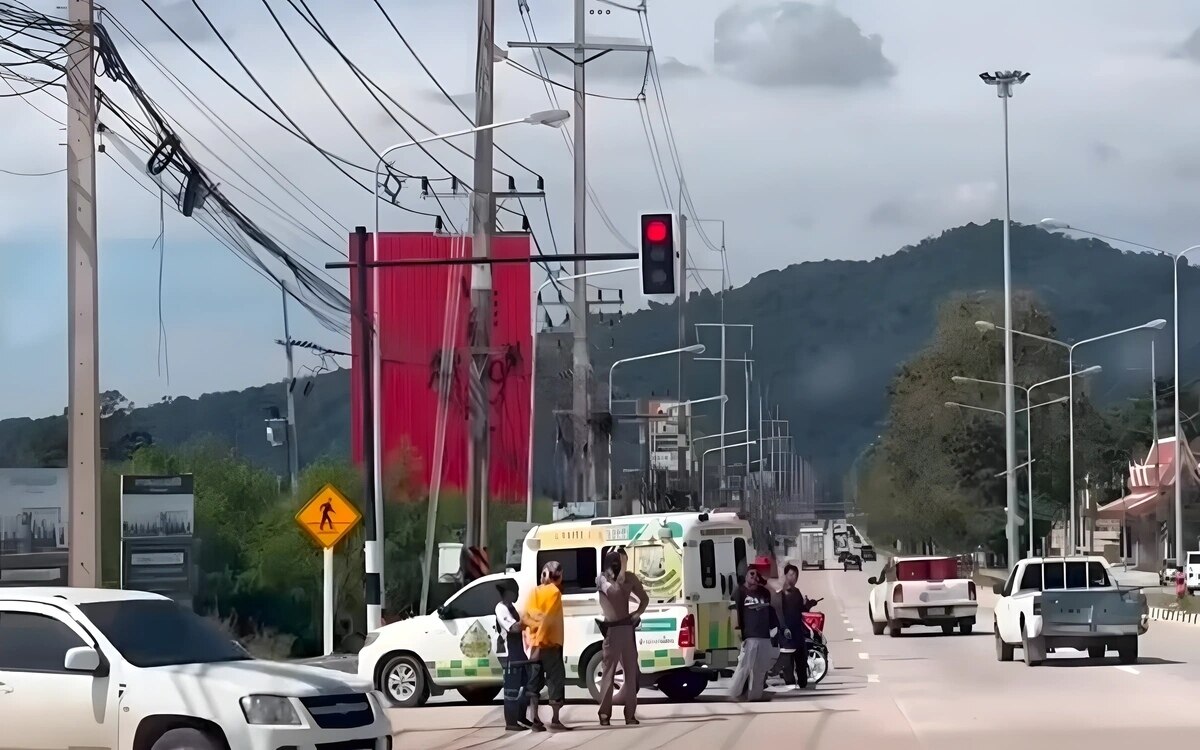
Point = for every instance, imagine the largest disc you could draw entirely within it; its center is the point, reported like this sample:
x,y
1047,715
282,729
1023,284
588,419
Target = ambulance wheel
x,y
595,673
403,681
682,686
479,695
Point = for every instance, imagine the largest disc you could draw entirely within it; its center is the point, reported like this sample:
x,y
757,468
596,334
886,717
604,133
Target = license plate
x,y
934,611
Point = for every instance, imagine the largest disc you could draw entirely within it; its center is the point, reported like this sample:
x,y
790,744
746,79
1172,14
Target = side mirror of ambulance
x,y
873,581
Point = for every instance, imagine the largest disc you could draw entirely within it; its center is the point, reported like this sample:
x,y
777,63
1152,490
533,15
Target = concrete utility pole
x,y
581,366
483,226
293,447
83,328
583,471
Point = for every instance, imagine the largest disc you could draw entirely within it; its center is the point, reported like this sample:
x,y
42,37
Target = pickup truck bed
x,y
1093,619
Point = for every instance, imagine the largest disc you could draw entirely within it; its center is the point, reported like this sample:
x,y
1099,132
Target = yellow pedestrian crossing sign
x,y
328,517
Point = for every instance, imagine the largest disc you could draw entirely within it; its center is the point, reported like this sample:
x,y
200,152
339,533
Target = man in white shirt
x,y
510,649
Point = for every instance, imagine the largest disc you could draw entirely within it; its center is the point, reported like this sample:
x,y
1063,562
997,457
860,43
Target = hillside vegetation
x,y
829,338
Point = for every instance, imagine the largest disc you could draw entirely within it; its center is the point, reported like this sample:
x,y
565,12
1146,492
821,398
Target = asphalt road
x,y
921,690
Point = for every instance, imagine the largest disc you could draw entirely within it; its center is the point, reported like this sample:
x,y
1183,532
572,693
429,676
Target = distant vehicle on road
x,y
921,591
867,553
851,562
1192,571
812,548
1067,602
1166,574
136,671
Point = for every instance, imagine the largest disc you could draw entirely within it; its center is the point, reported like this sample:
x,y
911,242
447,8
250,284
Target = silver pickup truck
x,y
1052,603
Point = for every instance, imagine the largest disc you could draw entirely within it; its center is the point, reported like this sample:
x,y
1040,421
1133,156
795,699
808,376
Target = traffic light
x,y
659,256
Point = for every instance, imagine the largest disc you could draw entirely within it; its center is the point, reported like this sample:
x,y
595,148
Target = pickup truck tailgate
x,y
1108,611
938,592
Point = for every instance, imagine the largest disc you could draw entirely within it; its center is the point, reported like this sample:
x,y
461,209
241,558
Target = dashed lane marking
x,y
849,630
856,640
864,656
872,678
1130,670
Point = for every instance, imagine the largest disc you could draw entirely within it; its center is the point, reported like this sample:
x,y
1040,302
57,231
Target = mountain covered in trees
x,y
829,337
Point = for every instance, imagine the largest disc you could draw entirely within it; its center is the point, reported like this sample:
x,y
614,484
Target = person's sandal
x,y
537,726
604,721
558,726
632,722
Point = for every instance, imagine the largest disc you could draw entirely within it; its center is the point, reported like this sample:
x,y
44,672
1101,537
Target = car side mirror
x,y
82,659
443,612
873,581
998,589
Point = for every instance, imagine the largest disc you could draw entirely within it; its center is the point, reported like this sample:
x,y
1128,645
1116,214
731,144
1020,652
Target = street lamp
x,y
1055,224
692,349
1005,81
1156,324
704,455
373,546
1028,437
533,371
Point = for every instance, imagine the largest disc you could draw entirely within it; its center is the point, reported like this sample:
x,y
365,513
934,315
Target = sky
x,y
813,130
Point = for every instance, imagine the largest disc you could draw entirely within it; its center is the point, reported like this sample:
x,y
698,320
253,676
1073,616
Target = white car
x,y
130,670
923,590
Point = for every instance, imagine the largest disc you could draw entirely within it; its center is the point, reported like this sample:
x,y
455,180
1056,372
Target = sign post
x,y
158,515
328,517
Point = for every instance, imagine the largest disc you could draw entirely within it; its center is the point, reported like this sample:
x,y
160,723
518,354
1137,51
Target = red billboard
x,y
424,319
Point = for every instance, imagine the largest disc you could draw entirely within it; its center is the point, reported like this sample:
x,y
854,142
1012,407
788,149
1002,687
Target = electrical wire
x,y
256,157
32,174
442,88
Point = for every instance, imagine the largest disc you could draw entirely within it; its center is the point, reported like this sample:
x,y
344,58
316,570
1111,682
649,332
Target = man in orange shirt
x,y
544,622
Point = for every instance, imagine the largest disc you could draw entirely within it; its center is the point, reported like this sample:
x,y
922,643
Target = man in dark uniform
x,y
510,649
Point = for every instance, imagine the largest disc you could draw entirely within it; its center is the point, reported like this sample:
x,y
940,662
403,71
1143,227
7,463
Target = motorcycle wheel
x,y
818,663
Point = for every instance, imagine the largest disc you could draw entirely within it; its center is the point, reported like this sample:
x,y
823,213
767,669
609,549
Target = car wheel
x,y
479,695
1096,652
682,686
595,673
1004,652
1027,649
965,626
1127,652
403,682
947,629
876,627
185,738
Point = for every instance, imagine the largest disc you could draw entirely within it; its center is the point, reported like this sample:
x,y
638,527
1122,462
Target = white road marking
x,y
1130,670
864,656
849,630
872,678
856,640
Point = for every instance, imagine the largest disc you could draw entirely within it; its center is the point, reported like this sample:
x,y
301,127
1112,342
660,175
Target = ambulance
x,y
689,563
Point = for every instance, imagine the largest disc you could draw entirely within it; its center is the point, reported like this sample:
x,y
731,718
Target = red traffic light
x,y
656,231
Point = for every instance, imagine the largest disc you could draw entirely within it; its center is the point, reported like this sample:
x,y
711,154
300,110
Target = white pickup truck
x,y
95,668
921,590
1067,602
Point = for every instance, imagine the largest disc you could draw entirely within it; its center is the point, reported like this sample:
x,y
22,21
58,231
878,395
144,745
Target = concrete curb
x,y
1174,615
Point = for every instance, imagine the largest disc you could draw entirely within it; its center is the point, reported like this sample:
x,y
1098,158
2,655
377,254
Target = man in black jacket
x,y
756,618
793,644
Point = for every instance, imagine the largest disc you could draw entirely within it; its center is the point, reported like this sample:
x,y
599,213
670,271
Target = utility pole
x,y
293,447
372,521
483,225
581,366
83,328
583,474
683,412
